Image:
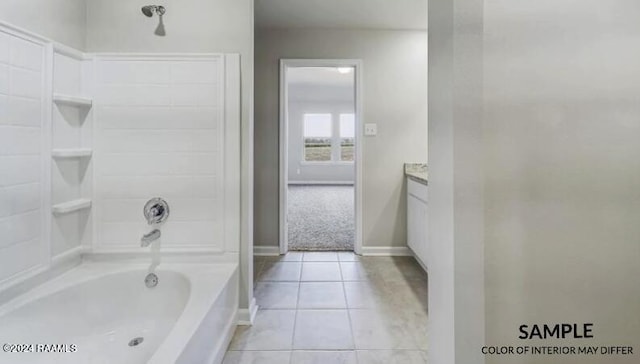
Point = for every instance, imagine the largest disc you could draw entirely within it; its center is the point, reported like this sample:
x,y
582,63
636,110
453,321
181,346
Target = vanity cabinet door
x,y
413,207
423,234
417,230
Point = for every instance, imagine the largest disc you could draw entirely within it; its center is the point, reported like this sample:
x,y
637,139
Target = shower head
x,y
148,10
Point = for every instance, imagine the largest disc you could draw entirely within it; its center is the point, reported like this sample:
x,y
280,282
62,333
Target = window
x,y
347,135
329,137
317,137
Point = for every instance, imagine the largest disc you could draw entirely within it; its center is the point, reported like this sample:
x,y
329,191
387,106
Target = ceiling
x,y
349,14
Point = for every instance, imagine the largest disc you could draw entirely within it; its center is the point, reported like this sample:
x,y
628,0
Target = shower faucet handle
x,y
156,211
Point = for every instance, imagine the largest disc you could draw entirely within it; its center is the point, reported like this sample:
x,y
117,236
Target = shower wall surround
x,y
23,102
86,139
161,132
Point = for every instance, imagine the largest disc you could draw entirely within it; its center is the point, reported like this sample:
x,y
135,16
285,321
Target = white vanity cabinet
x,y
417,229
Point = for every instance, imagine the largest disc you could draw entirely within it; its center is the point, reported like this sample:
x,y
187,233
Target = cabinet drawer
x,y
418,190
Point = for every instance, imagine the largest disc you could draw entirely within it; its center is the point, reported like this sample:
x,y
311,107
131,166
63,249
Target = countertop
x,y
416,172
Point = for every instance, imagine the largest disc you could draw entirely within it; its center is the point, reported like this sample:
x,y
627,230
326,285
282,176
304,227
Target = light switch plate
x,y
370,129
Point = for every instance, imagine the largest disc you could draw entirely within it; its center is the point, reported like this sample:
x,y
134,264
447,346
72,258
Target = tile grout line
x,y
344,292
295,315
257,274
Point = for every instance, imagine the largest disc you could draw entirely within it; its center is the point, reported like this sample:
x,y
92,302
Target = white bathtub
x,y
99,307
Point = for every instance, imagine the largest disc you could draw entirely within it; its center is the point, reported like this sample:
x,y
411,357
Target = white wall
x,y
456,279
191,26
318,99
60,20
562,159
394,79
555,205
24,240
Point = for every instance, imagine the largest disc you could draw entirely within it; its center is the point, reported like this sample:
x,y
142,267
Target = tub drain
x,y
151,280
137,341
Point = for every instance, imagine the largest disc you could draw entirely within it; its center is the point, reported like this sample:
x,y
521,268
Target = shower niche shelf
x,y
71,149
71,206
70,100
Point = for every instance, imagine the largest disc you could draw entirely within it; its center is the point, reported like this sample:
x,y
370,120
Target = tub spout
x,y
149,238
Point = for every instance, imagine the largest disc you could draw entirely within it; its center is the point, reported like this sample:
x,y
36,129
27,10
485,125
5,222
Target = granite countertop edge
x,y
418,177
416,172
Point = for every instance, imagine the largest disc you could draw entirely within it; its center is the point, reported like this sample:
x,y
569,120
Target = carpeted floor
x,y
321,217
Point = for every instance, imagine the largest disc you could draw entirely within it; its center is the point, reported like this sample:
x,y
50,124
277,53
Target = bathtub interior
x,y
101,316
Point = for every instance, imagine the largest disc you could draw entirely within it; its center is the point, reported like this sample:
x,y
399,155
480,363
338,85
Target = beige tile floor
x,y
335,308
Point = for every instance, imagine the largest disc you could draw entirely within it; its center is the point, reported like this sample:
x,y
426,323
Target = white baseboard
x,y
247,315
382,251
386,251
266,250
344,183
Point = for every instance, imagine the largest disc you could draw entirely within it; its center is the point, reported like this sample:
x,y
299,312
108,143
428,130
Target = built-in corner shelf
x,y
71,206
70,100
66,153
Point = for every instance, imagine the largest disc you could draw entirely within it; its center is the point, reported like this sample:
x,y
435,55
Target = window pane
x,y
347,134
317,137
347,125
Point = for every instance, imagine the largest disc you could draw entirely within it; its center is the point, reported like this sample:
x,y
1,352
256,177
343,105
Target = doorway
x,y
320,155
